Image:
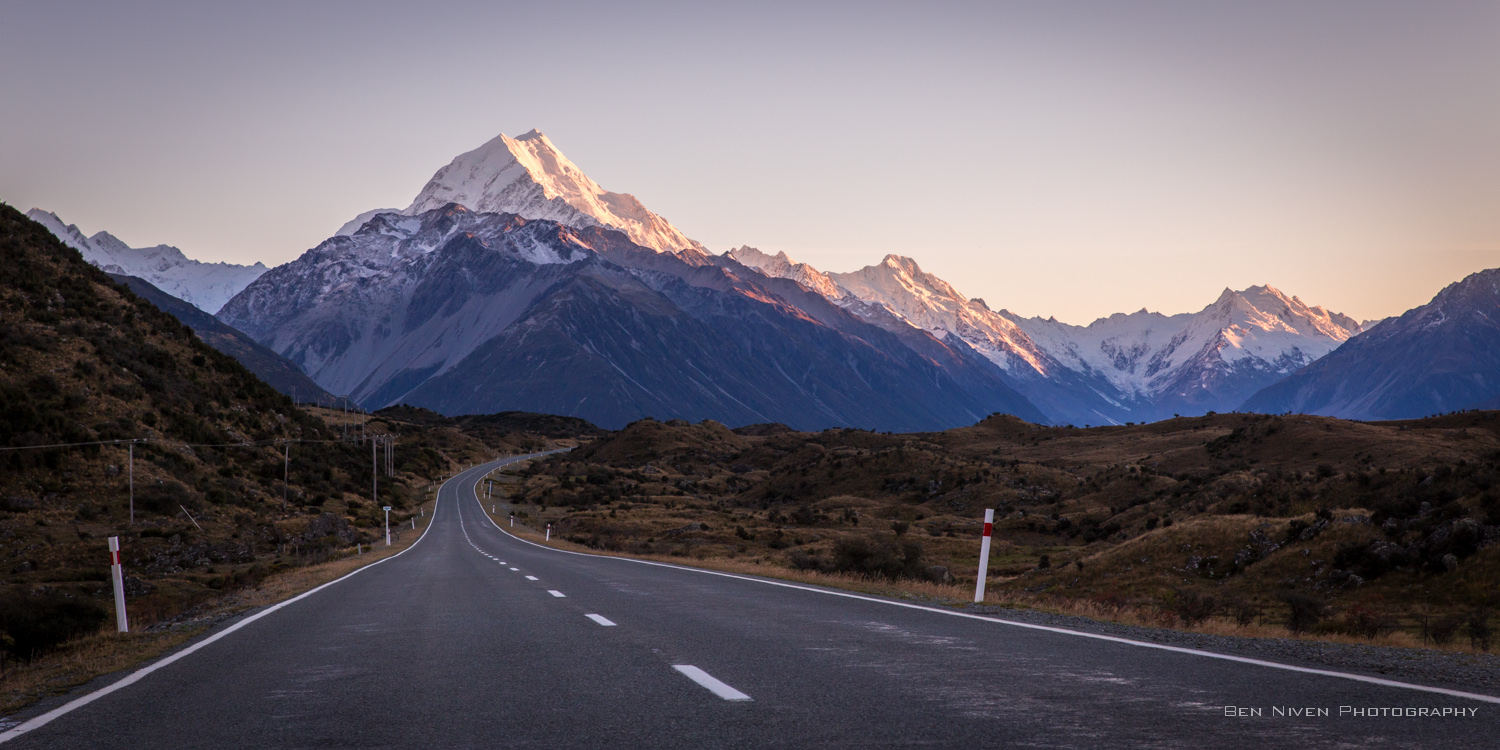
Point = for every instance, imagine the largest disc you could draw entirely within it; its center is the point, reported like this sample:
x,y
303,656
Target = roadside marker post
x,y
984,553
387,510
512,520
549,532
117,571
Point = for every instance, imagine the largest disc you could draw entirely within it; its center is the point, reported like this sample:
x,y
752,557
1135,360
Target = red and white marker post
x,y
549,532
118,571
984,554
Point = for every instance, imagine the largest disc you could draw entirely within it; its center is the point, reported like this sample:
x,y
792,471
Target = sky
x,y
1065,159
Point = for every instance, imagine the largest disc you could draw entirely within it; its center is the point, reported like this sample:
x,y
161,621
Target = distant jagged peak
x,y
782,266
530,177
1267,308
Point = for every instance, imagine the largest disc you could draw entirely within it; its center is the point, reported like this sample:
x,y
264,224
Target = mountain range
x,y
206,286
514,281
467,312
1139,367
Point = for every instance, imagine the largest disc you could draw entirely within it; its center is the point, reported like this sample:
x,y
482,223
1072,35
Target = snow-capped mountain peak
x,y
783,267
529,177
206,286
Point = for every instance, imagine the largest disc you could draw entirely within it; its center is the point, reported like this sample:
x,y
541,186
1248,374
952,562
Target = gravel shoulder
x,y
1474,673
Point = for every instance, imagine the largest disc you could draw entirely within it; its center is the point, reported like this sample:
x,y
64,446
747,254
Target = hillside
x,y
277,371
1235,513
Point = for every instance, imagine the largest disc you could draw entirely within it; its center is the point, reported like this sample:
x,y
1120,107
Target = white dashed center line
x,y
531,578
602,620
709,681
557,594
516,569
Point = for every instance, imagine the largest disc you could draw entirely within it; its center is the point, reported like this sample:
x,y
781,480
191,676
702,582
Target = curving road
x,y
476,639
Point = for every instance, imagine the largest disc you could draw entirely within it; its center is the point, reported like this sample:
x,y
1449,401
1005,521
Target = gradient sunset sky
x,y
1055,158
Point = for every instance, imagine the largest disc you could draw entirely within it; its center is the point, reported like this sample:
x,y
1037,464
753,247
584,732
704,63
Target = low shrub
x,y
34,624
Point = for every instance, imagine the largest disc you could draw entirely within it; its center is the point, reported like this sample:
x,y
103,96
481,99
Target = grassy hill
x,y
1308,522
276,370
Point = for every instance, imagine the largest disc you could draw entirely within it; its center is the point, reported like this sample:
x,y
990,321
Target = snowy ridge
x,y
782,267
206,286
529,177
1143,352
926,301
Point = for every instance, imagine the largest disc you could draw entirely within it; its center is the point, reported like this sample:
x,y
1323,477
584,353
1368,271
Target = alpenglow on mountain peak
x,y
529,177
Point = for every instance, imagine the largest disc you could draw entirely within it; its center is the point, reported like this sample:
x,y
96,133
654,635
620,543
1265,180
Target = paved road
x,y
474,639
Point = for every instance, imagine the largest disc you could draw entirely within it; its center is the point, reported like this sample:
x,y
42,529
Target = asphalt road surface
x,y
475,639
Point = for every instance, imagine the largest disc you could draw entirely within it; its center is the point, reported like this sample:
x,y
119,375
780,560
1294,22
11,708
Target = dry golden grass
x,y
997,593
83,660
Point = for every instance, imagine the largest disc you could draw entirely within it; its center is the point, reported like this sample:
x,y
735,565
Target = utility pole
x,y
286,471
374,477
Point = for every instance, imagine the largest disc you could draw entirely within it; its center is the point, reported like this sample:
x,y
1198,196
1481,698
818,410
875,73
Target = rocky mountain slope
x,y
277,371
206,286
466,312
1440,357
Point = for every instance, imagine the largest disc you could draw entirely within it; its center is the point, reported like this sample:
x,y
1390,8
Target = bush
x,y
1303,611
884,559
1478,628
37,623
1441,629
1192,607
1362,621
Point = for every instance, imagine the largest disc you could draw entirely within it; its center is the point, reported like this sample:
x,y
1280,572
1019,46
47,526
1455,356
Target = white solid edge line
x,y
714,685
557,593
134,677
1030,626
601,619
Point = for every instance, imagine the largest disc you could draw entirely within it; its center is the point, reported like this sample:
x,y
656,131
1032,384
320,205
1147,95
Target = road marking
x,y
714,685
531,578
516,569
557,593
1030,626
601,619
136,676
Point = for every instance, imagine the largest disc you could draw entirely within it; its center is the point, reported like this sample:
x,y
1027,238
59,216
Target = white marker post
x,y
549,532
118,571
984,554
512,520
387,510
